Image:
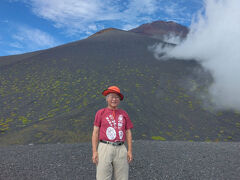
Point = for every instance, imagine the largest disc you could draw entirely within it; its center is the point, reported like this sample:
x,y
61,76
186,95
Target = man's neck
x,y
112,108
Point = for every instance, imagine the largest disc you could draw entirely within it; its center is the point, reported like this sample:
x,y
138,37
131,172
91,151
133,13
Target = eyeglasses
x,y
114,97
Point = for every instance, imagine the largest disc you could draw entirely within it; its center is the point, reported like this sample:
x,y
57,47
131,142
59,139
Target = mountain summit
x,y
159,29
104,31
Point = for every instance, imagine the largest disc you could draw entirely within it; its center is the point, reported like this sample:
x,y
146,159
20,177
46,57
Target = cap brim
x,y
107,91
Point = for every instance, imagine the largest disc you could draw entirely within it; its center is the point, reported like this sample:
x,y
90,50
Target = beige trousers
x,y
112,160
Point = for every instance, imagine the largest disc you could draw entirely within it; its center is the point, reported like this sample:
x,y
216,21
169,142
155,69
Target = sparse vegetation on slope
x,y
53,96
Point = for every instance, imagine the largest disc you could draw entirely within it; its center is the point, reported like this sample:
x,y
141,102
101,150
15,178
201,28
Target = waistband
x,y
119,143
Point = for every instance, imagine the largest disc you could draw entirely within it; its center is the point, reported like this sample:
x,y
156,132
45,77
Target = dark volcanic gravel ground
x,y
152,160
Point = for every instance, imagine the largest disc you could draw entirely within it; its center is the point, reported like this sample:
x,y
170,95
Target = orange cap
x,y
113,89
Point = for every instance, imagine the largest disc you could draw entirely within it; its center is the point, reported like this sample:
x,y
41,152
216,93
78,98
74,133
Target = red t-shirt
x,y
112,124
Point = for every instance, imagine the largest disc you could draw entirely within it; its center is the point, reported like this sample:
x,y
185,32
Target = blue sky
x,y
30,25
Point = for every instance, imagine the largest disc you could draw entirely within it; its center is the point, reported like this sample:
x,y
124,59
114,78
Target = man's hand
x,y
129,156
94,144
95,158
129,142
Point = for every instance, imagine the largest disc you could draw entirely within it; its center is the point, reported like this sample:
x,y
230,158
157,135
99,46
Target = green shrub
x,y
160,138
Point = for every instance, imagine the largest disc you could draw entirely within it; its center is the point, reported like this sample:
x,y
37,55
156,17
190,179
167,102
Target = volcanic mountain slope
x,y
52,95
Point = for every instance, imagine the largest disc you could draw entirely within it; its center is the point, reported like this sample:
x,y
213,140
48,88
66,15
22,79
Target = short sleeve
x,y
129,124
97,121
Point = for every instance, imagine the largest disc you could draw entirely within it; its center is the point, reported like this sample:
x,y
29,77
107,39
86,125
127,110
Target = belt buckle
x,y
115,143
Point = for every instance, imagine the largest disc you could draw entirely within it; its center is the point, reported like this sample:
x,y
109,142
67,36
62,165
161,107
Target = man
x,y
111,127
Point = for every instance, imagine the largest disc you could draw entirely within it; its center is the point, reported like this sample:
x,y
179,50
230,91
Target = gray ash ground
x,y
152,160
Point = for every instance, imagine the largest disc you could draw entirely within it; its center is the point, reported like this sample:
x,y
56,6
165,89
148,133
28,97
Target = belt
x,y
119,143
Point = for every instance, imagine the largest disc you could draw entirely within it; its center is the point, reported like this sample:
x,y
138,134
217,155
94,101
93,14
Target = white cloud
x,y
214,41
37,37
180,11
76,16
127,27
142,7
170,9
92,27
31,39
14,52
16,45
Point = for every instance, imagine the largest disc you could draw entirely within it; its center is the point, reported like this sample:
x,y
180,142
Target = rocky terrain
x,y
153,160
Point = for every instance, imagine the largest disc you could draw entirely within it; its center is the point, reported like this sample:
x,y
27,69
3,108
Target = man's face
x,y
113,100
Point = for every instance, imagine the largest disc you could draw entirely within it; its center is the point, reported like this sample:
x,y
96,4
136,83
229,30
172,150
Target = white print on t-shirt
x,y
112,120
111,133
120,121
120,117
120,134
110,123
119,125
